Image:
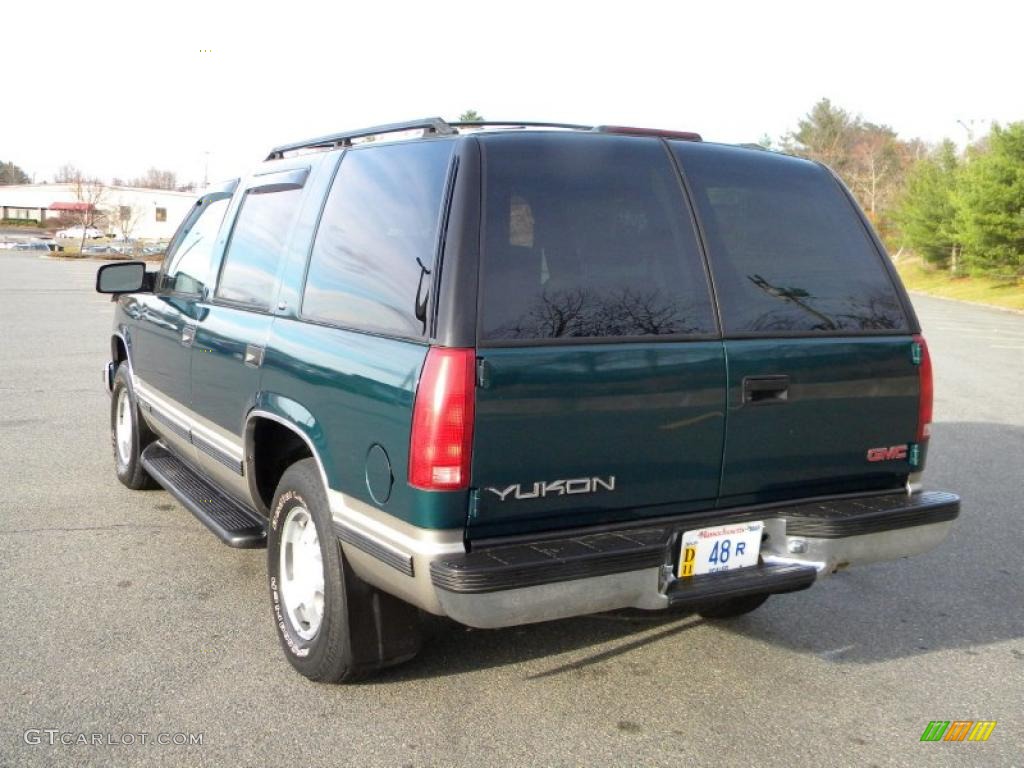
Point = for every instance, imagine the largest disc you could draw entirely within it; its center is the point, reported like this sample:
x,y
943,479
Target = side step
x,y
755,580
233,524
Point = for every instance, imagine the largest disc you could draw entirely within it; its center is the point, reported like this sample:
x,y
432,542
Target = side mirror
x,y
127,277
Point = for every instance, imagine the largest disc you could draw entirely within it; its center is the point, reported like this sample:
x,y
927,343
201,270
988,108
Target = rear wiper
x,y
420,309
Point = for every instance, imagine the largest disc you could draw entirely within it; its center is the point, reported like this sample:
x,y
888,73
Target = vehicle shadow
x,y
964,595
450,648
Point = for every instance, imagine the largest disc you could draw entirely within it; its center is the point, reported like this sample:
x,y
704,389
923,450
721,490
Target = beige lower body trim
x,y
420,544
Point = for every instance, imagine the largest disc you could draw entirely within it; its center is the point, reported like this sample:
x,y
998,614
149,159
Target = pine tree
x,y
990,204
12,174
926,213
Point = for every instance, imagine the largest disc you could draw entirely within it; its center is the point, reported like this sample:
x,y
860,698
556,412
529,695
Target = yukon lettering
x,y
545,488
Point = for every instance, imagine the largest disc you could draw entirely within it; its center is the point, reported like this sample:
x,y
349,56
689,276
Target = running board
x,y
230,522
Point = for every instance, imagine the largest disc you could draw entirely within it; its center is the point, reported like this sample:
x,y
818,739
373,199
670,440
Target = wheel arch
x,y
265,465
119,349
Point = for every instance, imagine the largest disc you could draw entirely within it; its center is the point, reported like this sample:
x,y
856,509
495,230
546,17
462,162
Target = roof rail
x,y
432,126
517,124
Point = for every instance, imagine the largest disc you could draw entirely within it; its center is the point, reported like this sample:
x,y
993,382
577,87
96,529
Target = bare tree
x,y
126,218
875,166
156,179
67,174
90,194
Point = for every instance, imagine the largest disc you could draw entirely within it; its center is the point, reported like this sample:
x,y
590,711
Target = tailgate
x,y
570,436
845,400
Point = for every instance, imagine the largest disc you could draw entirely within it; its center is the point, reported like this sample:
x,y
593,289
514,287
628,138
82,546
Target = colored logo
x,y
958,730
891,453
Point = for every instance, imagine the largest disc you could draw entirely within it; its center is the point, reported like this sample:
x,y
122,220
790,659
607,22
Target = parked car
x,y
91,233
518,375
114,248
37,245
154,249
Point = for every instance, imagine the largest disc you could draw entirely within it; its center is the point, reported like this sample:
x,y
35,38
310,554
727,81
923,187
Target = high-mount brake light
x,y
442,421
630,131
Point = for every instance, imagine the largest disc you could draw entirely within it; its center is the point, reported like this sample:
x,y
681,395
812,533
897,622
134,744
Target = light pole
x,y
970,131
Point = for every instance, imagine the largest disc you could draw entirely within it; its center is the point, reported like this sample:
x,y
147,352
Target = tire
x,y
333,626
730,609
129,433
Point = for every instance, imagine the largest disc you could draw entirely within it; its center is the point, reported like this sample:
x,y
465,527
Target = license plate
x,y
722,548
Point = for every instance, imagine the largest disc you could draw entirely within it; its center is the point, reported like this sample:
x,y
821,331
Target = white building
x,y
148,214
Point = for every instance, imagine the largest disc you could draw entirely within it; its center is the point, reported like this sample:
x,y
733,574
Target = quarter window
x,y
257,244
374,251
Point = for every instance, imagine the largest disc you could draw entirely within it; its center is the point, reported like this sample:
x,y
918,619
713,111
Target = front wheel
x,y
333,626
129,434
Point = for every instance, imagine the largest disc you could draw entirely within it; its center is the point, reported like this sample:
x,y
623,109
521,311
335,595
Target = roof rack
x,y
620,129
431,126
436,126
518,124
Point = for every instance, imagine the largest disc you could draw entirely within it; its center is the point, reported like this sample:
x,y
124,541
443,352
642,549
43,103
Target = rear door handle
x,y
188,335
763,390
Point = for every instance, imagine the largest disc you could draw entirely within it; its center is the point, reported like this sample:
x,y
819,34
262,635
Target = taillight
x,y
442,421
924,410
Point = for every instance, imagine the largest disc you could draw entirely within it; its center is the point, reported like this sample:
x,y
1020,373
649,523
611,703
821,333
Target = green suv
x,y
512,373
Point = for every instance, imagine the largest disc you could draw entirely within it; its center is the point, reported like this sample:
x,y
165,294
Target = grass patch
x,y
984,290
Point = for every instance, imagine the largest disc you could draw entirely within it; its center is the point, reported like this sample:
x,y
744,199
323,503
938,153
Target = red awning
x,y
71,206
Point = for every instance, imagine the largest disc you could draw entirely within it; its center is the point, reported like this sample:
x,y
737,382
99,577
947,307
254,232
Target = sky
x,y
207,88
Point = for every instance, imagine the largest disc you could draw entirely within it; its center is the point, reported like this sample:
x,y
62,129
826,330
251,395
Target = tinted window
x,y
257,245
380,217
188,266
587,237
788,251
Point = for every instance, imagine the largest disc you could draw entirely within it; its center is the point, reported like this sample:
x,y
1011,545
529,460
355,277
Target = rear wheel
x,y
129,434
730,609
333,626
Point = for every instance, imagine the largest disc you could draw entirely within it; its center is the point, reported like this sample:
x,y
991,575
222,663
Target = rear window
x,y
587,237
257,243
788,252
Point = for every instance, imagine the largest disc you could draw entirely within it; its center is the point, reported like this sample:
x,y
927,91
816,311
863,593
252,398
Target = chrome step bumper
x,y
544,578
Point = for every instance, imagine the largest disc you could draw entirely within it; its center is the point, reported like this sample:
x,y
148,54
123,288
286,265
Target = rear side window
x,y
587,237
374,250
788,252
257,244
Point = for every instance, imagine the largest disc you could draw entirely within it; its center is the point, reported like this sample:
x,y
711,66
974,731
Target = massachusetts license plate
x,y
722,548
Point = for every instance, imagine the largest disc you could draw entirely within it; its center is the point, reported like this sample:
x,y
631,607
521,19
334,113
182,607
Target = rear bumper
x,y
539,579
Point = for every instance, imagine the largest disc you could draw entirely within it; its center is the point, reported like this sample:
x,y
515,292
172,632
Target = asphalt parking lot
x,y
123,615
